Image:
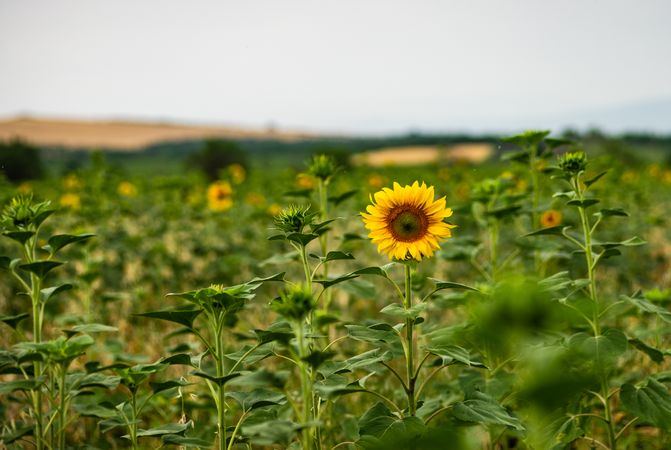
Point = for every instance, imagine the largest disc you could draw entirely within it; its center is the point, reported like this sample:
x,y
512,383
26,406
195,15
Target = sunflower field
x,y
522,303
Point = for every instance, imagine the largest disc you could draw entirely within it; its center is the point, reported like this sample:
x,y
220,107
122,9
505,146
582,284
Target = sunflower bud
x,y
294,219
573,163
294,303
23,214
323,166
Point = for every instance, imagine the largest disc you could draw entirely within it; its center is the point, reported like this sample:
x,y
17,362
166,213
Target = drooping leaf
x,y
481,408
171,428
159,386
185,441
94,328
215,379
398,310
586,203
453,354
594,179
380,332
333,256
651,402
19,236
258,398
602,350
649,307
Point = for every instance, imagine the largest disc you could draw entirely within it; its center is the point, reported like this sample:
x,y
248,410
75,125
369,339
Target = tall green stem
x,y
589,260
221,401
409,357
36,284
306,392
62,408
133,423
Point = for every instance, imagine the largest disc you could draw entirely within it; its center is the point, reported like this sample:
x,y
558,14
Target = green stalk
x,y
305,387
589,260
61,409
323,239
133,423
493,244
409,357
535,200
221,401
36,284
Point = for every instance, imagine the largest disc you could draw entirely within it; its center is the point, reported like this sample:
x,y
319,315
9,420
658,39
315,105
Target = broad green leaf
x,y
103,410
182,316
14,435
481,408
40,268
30,384
442,285
302,238
529,138
379,429
603,350
59,241
632,242
651,402
612,212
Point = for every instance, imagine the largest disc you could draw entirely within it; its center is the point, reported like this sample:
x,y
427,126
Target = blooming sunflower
x,y
550,218
407,222
219,196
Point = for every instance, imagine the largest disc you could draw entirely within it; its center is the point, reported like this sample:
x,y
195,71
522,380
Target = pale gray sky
x,y
341,65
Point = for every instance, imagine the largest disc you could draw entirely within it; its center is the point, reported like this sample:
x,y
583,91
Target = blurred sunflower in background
x,y
406,222
550,218
70,200
220,196
127,189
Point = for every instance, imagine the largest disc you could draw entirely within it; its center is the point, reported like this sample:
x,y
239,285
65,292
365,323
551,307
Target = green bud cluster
x,y
294,218
294,303
22,213
573,163
323,166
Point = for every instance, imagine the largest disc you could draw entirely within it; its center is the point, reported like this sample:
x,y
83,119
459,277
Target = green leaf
x,y
215,379
19,236
557,231
380,429
380,332
603,350
93,328
480,408
47,293
632,242
185,441
13,321
40,268
302,238
398,310
650,402
171,428
20,385
583,203
453,354
103,410
17,434
258,398
529,138
182,316
608,212
593,180
333,256
648,307
442,285
59,241
338,199
298,193
502,212
160,386
654,354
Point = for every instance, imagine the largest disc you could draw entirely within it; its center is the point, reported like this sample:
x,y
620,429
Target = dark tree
x,y
20,161
216,155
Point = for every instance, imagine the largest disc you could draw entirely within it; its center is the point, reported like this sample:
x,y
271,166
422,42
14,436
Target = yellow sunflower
x,y
220,196
407,222
550,218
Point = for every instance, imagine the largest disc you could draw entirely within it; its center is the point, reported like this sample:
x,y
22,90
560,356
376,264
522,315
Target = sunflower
x,y
219,196
407,222
550,218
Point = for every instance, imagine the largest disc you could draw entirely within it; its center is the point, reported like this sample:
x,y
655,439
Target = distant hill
x,y
123,135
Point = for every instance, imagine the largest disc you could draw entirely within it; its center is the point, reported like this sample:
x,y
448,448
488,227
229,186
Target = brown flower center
x,y
408,223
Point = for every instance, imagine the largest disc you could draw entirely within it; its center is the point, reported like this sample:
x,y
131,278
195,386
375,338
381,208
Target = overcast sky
x,y
341,65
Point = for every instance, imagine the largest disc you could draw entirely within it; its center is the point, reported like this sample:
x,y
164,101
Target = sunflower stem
x,y
410,358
